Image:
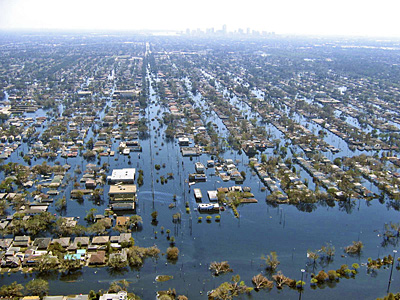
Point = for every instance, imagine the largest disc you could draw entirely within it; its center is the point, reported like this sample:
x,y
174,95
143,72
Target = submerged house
x,y
126,175
98,258
122,197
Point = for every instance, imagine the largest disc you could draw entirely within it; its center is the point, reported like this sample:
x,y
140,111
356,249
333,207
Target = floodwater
x,y
260,229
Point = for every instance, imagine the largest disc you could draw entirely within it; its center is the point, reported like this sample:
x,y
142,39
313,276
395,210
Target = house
x,y
100,240
64,241
22,241
123,206
5,243
208,207
222,189
190,151
98,258
42,243
90,184
212,195
53,298
123,193
121,295
79,241
31,298
10,262
121,221
120,255
126,175
183,141
125,237
114,239
77,297
199,167
31,260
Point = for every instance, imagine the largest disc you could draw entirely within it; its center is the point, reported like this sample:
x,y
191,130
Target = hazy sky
x,y
321,17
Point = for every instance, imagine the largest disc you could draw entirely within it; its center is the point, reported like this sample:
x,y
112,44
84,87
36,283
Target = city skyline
x,y
309,17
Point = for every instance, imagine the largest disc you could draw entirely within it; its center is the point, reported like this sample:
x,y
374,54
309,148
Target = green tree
x,y
47,263
12,290
90,144
90,215
54,145
3,207
117,262
135,221
154,215
37,287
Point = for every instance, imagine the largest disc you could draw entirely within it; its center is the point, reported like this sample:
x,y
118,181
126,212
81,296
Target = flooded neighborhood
x,y
183,167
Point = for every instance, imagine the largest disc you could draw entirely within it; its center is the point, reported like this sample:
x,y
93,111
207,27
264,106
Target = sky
x,y
299,17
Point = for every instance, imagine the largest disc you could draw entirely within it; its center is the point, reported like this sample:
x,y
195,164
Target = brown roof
x,y
100,239
122,220
98,258
224,190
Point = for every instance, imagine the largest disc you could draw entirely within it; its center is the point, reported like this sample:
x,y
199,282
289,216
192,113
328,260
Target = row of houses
x,y
21,251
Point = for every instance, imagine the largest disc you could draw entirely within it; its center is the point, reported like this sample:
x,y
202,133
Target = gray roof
x,y
100,239
84,240
64,241
53,297
42,243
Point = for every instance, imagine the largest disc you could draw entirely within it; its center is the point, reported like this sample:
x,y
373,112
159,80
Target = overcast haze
x,y
310,17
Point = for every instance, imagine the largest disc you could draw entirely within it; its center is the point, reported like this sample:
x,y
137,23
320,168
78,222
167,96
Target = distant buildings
x,y
240,32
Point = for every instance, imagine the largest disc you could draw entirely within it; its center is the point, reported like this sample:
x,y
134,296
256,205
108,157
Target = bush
x,y
332,275
355,248
172,253
321,276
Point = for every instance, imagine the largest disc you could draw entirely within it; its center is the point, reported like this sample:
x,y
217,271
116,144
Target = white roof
x,y
123,174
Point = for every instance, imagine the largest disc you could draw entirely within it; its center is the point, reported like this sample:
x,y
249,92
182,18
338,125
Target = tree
x,y
37,287
281,279
61,203
3,207
322,276
47,262
54,145
220,267
135,221
12,290
271,260
355,248
98,227
262,282
117,262
313,255
154,215
172,253
96,194
90,215
329,251
228,290
68,265
39,223
337,161
117,286
90,144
